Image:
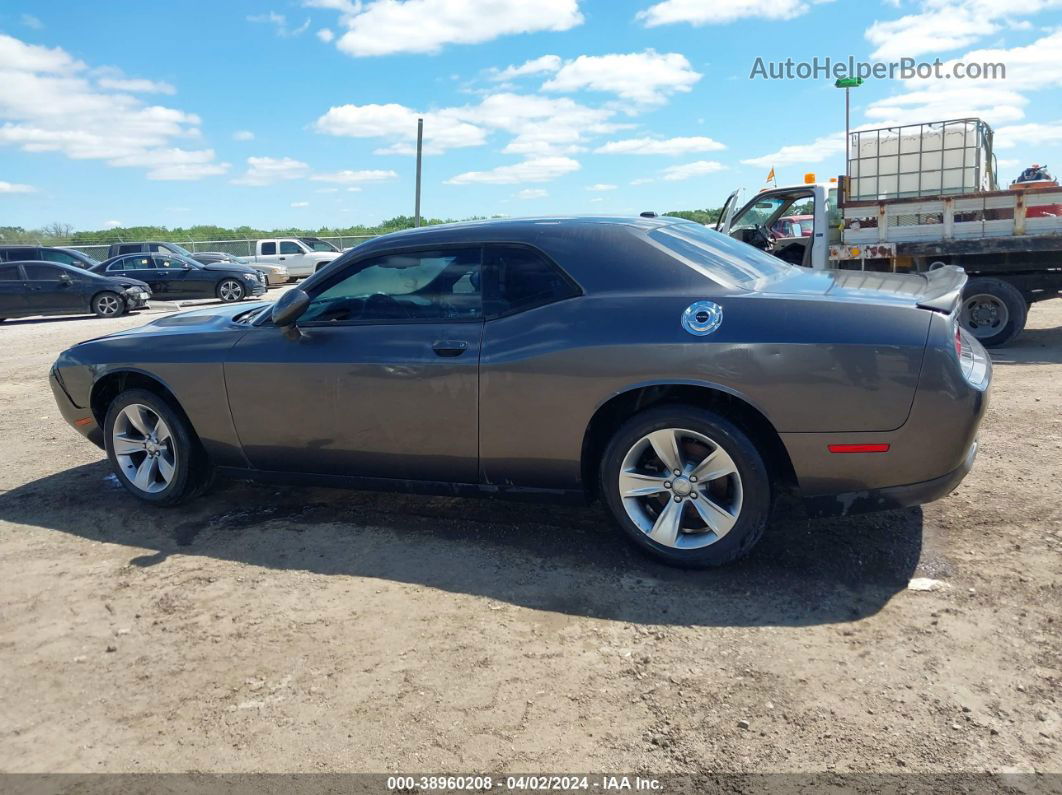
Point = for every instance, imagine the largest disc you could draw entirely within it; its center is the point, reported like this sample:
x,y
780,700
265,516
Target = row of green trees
x,y
56,233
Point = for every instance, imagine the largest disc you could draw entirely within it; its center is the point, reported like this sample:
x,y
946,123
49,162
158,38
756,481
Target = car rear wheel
x,y
230,291
687,486
993,310
108,304
152,448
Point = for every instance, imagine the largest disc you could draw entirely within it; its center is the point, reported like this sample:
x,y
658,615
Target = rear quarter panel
x,y
807,365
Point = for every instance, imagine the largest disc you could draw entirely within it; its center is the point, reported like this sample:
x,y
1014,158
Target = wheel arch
x,y
107,387
623,405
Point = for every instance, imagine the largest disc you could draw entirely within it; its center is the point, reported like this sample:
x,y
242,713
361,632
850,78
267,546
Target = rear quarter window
x,y
719,257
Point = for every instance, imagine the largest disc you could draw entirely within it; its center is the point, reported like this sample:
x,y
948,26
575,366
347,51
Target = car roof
x,y
60,265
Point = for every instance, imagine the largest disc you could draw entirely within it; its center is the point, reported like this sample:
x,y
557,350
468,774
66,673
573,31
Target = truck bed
x,y
1007,221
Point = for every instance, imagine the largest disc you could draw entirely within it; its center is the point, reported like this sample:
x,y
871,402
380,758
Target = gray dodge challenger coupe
x,y
683,377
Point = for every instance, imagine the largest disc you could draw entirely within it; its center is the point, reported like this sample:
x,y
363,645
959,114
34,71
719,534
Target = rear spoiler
x,y
943,289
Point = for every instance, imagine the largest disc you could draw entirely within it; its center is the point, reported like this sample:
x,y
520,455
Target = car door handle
x,y
282,258
449,347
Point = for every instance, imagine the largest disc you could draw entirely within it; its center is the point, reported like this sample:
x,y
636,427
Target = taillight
x,y
958,341
973,360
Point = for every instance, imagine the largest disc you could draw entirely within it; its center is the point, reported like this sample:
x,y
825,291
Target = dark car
x,y
173,277
682,376
62,255
149,247
50,288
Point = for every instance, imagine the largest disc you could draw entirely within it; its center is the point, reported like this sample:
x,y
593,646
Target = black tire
x,y
755,484
108,304
230,291
993,310
191,472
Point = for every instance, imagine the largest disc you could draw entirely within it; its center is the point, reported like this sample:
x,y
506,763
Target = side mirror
x,y
289,307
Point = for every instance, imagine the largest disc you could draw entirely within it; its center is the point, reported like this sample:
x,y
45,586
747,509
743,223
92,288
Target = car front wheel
x,y
230,291
108,304
152,448
687,486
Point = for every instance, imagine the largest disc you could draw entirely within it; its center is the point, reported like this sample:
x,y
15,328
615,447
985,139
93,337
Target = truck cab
x,y
797,224
302,257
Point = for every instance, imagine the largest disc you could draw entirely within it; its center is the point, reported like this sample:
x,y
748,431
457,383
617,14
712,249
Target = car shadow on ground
x,y
1033,346
548,557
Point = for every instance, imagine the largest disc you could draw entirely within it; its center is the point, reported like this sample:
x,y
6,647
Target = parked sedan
x,y
173,277
50,288
275,275
60,254
683,377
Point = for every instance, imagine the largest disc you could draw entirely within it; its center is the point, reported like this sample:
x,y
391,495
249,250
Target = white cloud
x,y
660,146
385,27
135,85
442,130
942,25
280,24
697,168
267,170
531,193
717,12
541,169
820,149
15,187
348,177
31,21
50,103
243,135
645,78
1034,134
540,125
325,35
601,186
536,66
300,204
327,190
112,224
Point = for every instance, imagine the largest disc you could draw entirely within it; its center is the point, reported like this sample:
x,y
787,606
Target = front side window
x,y
441,284
169,263
42,273
289,247
55,255
523,278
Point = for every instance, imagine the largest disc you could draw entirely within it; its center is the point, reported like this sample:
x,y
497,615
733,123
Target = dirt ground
x,y
266,629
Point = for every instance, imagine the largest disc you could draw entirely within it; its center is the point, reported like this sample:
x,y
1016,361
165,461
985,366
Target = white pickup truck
x,y
302,256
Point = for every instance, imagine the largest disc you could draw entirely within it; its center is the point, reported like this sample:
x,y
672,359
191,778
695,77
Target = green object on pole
x,y
848,82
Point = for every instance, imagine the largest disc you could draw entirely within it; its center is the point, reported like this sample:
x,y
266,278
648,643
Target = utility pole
x,y
420,147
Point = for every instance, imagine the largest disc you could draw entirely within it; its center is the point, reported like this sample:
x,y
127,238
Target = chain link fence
x,y
238,248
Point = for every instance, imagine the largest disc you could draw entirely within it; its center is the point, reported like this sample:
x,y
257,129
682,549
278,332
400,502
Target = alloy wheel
x,y
230,290
108,305
144,448
680,488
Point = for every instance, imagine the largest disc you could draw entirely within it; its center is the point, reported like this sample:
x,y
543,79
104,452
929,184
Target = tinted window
x,y
523,278
130,248
269,248
55,255
9,273
422,285
288,247
18,254
169,263
42,273
138,263
717,256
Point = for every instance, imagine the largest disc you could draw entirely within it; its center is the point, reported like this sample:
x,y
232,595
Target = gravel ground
x,y
266,629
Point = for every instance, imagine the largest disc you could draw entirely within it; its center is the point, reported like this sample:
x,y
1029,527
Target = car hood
x,y
938,289
217,318
231,267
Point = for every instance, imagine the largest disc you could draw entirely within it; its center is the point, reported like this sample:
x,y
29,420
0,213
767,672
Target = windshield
x,y
316,244
181,250
718,256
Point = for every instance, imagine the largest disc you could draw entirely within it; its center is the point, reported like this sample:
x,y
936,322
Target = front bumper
x,y
891,497
136,300
80,419
256,288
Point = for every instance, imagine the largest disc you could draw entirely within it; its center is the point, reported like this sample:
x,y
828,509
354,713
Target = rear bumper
x,y
891,497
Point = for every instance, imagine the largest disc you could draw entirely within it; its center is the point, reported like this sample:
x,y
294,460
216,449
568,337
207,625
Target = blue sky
x,y
302,112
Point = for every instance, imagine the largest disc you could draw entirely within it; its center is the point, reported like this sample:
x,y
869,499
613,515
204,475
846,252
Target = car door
x,y
293,257
52,289
13,291
182,278
381,380
142,267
